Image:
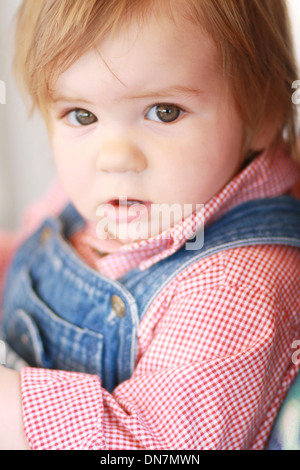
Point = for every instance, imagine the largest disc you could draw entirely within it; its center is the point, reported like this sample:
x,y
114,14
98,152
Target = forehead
x,y
146,54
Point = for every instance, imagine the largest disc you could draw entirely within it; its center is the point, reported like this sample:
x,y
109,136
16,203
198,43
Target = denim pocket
x,y
44,339
23,335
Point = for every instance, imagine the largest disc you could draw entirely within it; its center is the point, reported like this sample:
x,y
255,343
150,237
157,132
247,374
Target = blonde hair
x,y
253,38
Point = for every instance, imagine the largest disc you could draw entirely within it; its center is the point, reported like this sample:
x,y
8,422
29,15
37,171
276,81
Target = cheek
x,y
71,171
77,185
209,164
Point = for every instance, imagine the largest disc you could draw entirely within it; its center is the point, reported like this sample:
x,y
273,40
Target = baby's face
x,y
145,119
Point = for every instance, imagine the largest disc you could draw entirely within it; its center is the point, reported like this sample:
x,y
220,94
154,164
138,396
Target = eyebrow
x,y
172,91
67,99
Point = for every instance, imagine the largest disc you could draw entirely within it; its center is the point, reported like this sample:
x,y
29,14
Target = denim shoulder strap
x,y
259,222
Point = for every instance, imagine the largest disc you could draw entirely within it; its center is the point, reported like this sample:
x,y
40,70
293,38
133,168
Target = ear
x,y
265,136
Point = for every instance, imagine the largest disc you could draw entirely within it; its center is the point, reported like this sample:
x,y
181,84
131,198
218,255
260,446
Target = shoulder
x,y
234,300
272,270
51,202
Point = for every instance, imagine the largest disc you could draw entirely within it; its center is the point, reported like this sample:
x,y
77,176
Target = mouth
x,y
125,210
125,202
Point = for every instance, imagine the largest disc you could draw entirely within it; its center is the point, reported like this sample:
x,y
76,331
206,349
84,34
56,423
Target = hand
x,y
12,435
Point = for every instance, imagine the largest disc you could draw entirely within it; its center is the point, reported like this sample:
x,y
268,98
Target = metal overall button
x,y
46,234
24,338
118,306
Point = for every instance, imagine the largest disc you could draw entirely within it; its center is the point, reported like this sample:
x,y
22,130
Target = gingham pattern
x,y
214,349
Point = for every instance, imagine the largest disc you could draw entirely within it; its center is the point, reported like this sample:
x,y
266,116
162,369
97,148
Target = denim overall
x,y
59,313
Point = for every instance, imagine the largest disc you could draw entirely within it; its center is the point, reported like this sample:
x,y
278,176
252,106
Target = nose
x,y
120,156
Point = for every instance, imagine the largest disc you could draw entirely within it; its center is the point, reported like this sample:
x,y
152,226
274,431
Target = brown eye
x,y
164,113
81,117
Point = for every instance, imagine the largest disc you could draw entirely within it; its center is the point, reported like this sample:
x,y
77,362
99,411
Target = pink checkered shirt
x,y
214,349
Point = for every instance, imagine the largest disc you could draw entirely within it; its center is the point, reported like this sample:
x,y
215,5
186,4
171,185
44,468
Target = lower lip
x,y
125,214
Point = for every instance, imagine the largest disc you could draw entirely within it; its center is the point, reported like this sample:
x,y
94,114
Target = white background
x,y
26,164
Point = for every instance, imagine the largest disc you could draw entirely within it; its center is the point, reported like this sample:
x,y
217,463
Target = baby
x,y
136,335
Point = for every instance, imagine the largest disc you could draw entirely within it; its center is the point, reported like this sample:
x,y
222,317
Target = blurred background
x,y
26,164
